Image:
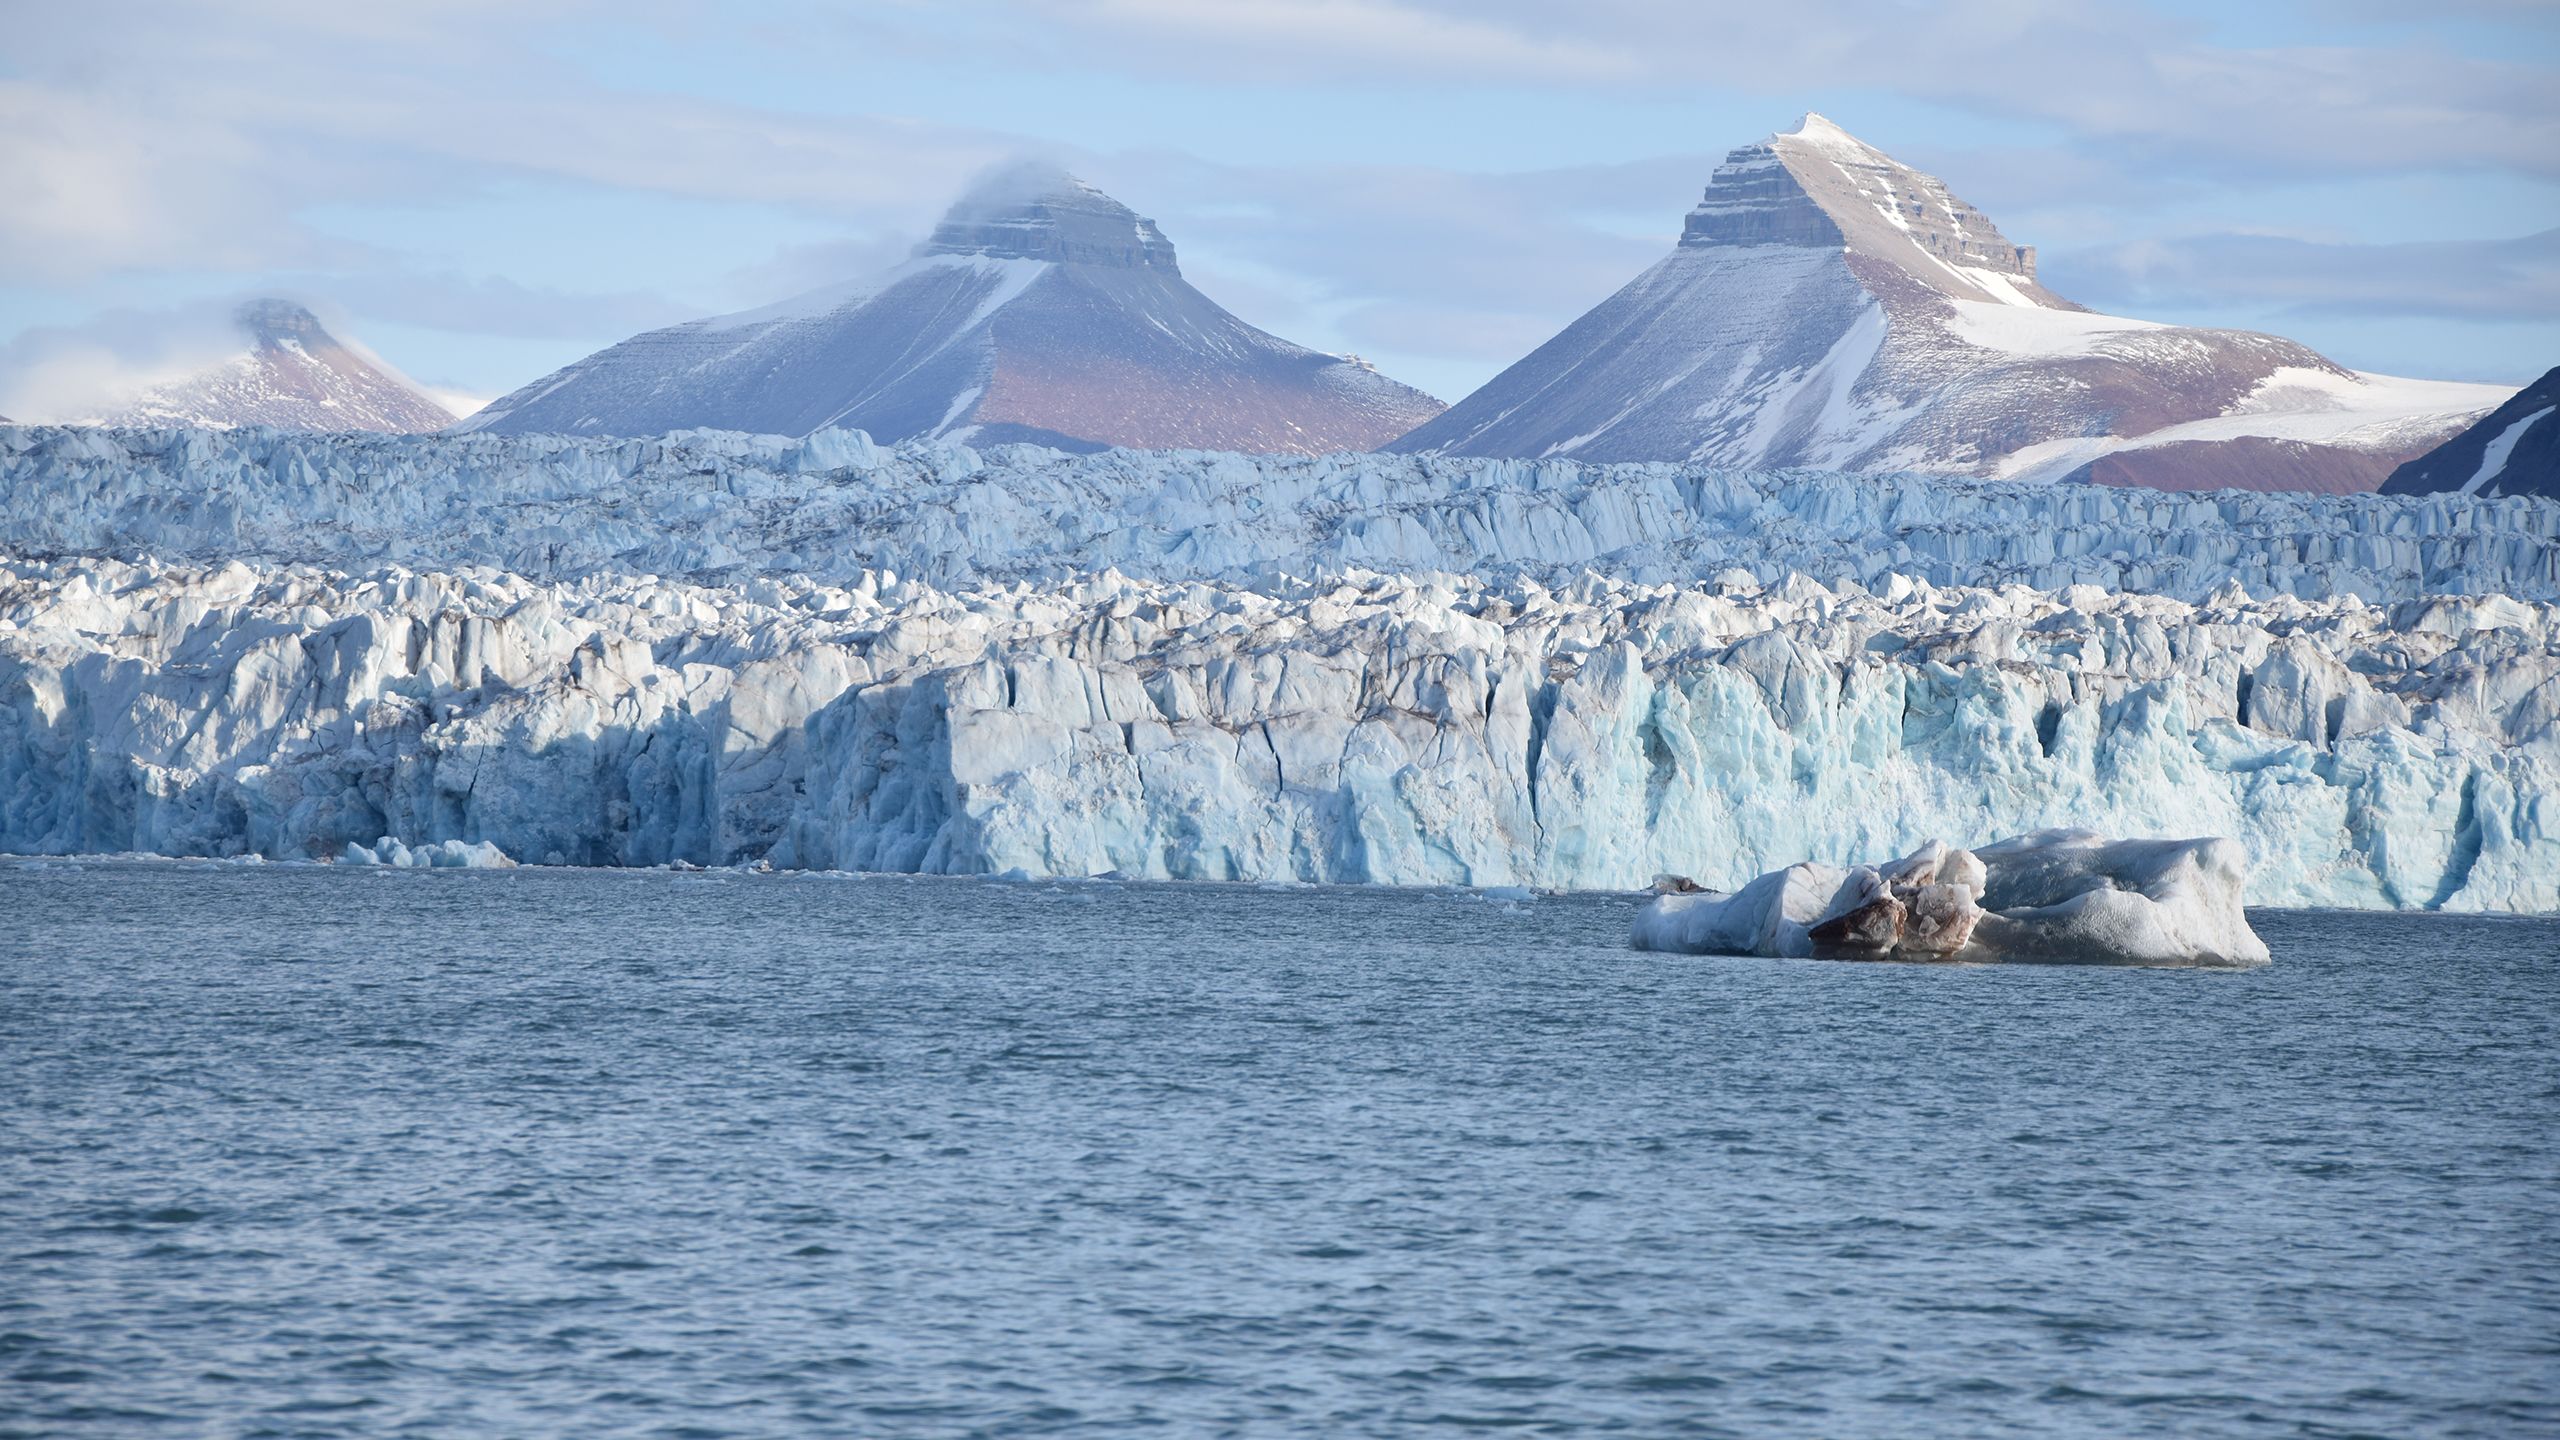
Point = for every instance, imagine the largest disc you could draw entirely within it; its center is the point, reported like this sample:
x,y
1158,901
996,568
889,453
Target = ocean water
x,y
302,1152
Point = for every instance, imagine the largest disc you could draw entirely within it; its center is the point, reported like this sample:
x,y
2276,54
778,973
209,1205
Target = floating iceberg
x,y
2058,896
441,855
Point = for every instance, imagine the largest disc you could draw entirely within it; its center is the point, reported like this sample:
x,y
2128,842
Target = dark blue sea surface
x,y
311,1152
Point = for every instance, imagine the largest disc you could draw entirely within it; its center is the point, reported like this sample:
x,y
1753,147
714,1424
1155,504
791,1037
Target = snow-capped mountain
x,y
291,374
1041,310
1828,306
2513,450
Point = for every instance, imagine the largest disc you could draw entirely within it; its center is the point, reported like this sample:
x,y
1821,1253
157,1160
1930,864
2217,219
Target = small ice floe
x,y
443,855
2060,896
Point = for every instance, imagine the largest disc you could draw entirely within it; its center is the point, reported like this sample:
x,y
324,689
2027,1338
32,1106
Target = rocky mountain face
x,y
1828,306
1041,310
292,374
2513,450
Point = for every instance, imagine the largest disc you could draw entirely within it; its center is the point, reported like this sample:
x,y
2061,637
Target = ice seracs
x,y
1350,728
1828,306
2056,896
1040,310
825,653
720,508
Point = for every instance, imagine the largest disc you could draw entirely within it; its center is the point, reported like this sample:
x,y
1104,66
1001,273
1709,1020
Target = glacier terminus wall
x,y
1351,728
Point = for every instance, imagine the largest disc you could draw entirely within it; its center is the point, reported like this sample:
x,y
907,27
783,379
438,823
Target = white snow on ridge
x,y
2493,456
2357,410
2038,330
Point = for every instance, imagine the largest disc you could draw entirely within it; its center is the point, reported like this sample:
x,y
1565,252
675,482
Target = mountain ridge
x,y
293,374
1827,306
1040,310
2512,450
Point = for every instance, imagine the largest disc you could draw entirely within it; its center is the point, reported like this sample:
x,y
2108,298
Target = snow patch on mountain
x,y
2493,458
2039,332
2380,413
2514,450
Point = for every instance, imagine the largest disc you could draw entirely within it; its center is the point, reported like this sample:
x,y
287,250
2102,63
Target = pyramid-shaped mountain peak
x,y
270,321
1816,128
1041,310
1821,187
289,373
1830,306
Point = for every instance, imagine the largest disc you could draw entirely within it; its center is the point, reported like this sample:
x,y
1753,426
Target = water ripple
x,y
297,1153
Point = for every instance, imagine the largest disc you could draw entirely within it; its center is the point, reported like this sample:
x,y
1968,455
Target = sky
x,y
481,191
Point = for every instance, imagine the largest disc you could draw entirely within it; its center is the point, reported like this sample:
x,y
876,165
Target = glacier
x,y
720,508
1211,722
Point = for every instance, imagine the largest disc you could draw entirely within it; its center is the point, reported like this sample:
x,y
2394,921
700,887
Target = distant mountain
x,y
1041,310
1828,306
291,373
2513,450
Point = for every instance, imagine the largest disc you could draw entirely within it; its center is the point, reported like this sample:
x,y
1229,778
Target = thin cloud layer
x,y
56,374
2507,280
725,161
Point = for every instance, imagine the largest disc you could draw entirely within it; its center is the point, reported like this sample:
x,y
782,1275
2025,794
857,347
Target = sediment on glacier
x,y
2059,897
1359,728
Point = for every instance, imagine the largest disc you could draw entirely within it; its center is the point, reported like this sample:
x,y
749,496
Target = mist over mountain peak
x,y
289,373
1041,310
1038,210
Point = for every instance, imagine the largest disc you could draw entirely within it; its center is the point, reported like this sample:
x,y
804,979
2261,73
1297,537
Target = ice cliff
x,y
1489,731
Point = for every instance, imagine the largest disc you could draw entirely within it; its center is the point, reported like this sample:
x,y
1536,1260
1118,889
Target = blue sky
x,y
483,191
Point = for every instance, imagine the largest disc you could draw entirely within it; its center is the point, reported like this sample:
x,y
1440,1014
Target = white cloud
x,y
2515,280
2112,75
164,137
1328,38
57,374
